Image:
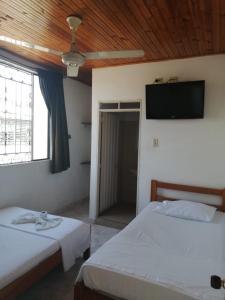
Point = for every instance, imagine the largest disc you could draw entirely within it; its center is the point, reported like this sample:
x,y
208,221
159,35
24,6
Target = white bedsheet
x,y
72,235
20,252
160,257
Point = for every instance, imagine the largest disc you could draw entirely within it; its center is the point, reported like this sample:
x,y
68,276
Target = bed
x,y
27,255
176,257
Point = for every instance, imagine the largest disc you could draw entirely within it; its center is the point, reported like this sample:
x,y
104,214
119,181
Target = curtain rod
x,y
7,62
12,59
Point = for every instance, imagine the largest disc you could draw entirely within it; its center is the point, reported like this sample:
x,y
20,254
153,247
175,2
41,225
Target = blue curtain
x,y
51,84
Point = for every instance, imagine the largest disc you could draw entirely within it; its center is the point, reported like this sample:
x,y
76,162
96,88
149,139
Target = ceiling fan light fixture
x,y
72,70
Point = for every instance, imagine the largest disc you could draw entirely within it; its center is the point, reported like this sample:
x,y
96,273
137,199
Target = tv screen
x,y
179,100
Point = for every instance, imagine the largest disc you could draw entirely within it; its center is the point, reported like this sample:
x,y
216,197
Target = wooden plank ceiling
x,y
164,29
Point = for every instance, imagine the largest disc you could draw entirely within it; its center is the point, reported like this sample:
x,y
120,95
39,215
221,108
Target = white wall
x,y
32,186
190,151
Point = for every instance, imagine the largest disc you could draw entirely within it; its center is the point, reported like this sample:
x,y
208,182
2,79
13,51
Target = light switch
x,y
155,142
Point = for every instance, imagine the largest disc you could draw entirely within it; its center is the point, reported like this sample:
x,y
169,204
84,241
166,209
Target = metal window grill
x,y
16,106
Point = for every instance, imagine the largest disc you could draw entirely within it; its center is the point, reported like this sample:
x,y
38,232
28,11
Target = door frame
x,y
100,111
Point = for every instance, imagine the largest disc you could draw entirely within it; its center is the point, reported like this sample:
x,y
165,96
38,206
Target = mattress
x,y
159,257
72,235
20,252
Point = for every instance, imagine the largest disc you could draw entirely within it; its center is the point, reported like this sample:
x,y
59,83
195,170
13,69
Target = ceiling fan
x,y
74,58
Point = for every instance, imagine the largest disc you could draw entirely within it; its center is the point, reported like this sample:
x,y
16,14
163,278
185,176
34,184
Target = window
x,y
23,117
135,106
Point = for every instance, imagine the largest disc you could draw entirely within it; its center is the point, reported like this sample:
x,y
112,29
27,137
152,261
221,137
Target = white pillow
x,y
186,210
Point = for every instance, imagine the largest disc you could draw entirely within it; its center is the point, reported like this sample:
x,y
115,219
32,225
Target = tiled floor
x,y
116,217
78,210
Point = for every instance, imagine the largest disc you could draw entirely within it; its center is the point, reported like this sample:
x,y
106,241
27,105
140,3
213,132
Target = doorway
x,y
118,165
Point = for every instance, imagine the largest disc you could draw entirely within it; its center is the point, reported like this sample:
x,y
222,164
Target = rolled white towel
x,y
44,215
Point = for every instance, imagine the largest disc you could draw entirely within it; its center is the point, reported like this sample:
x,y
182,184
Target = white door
x,y
108,161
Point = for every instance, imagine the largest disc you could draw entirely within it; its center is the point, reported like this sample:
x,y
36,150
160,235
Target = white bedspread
x,y
160,257
72,235
20,252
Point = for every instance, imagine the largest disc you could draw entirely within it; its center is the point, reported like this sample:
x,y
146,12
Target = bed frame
x,y
21,284
81,292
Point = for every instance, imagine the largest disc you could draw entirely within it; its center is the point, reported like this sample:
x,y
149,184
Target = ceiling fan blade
x,y
72,71
29,45
114,54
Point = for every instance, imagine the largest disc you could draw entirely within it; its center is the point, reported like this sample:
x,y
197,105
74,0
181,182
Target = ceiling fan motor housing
x,y
73,59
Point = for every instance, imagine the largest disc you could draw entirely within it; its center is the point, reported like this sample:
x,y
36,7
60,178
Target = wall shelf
x,y
86,162
86,123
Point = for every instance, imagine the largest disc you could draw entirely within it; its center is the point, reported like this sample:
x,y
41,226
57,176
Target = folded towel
x,y
42,222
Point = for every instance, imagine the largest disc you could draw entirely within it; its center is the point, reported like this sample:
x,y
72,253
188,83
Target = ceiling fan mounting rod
x,y
73,37
73,22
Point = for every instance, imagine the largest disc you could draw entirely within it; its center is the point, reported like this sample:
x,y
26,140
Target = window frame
x,y
32,73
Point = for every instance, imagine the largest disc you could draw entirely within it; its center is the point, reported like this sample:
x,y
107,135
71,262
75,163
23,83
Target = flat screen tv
x,y
179,100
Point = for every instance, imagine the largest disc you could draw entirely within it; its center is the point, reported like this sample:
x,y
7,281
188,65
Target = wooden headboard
x,y
155,185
